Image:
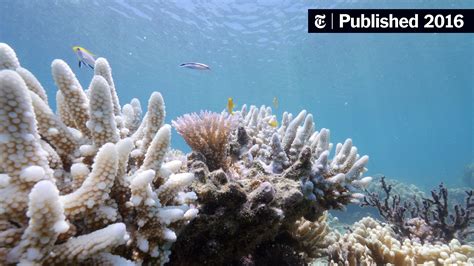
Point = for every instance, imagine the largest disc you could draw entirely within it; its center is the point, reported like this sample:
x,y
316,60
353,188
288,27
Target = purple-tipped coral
x,y
209,134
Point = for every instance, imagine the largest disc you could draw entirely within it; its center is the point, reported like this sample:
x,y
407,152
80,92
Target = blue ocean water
x,y
406,100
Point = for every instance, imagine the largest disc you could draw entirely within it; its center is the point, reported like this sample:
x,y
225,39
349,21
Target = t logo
x,y
319,21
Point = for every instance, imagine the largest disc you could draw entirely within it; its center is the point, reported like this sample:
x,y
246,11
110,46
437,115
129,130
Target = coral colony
x,y
96,184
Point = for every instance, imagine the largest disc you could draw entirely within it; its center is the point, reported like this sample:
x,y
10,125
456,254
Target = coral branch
x,y
102,68
427,220
47,221
102,120
75,98
88,246
95,189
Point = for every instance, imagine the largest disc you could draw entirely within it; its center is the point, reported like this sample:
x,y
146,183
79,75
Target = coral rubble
x,y
91,184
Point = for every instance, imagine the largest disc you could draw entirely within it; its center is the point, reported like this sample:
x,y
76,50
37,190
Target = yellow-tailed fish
x,y
230,106
275,102
273,122
85,57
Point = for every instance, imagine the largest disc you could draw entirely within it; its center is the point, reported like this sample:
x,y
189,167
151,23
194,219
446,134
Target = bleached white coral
x,y
157,151
19,146
54,130
102,120
46,222
74,97
370,242
62,110
108,259
81,248
32,83
74,173
95,189
132,114
153,120
102,68
173,185
8,59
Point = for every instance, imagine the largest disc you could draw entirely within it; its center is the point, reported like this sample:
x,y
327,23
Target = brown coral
x,y
207,133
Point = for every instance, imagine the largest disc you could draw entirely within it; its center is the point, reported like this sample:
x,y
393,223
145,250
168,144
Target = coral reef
x,y
96,184
425,219
269,179
372,243
91,184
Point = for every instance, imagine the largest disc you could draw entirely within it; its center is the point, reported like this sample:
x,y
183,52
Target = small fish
x,y
273,122
85,57
230,106
275,102
195,65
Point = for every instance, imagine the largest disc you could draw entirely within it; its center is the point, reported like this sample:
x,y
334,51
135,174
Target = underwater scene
x,y
223,133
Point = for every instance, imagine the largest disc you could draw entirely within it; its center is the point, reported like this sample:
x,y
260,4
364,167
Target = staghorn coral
x,y
71,190
54,131
8,59
132,114
207,133
102,121
74,97
23,160
46,222
425,220
372,243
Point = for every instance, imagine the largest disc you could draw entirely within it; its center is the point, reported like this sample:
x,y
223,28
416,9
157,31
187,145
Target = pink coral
x,y
207,133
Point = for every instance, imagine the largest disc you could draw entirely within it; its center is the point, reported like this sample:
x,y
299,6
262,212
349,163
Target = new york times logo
x,y
319,21
390,20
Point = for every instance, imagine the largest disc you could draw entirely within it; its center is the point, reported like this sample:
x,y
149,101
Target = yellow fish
x,y
275,102
230,106
273,122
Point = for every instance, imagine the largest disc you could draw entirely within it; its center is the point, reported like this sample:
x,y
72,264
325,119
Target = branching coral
x,y
274,176
298,152
96,184
207,133
71,191
425,220
372,243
